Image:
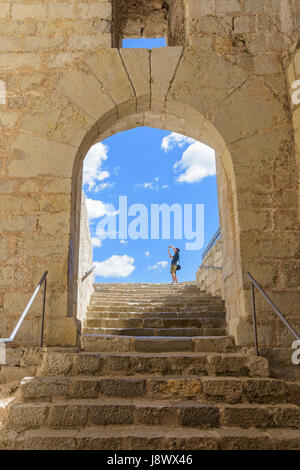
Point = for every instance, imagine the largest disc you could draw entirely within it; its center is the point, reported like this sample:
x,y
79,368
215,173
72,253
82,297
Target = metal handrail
x,y
254,283
211,243
22,317
88,273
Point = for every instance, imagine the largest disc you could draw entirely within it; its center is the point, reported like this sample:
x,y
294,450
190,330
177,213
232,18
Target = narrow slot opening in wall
x,y
146,43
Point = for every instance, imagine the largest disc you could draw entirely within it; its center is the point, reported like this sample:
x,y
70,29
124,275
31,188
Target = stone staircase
x,y
155,370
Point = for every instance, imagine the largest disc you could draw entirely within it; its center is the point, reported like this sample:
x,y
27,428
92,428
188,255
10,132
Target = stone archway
x,y
193,125
196,93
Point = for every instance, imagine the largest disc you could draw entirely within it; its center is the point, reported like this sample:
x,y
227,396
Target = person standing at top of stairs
x,y
174,262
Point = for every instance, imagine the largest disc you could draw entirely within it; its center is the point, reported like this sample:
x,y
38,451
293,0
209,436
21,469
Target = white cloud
x,y
149,185
172,140
92,172
159,265
147,254
102,186
123,242
115,266
197,162
96,242
97,209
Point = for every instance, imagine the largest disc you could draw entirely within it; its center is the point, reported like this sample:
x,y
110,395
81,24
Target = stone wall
x,y
46,34
210,280
85,284
67,88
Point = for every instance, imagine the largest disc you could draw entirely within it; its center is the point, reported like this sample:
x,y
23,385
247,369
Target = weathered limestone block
x,y
82,87
62,59
9,44
263,112
30,10
8,118
18,223
56,117
197,9
13,203
161,77
99,9
60,10
34,43
43,246
109,69
35,156
5,9
85,42
190,77
137,64
61,332
25,61
228,6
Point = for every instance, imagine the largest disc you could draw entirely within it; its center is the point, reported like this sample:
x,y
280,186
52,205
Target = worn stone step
x,y
171,299
155,297
151,438
151,308
153,286
174,332
94,314
164,364
77,414
170,291
155,323
112,343
180,299
206,389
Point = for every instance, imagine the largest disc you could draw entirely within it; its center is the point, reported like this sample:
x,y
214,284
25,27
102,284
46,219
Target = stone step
x,y
151,438
154,286
153,364
150,309
147,293
154,322
94,314
158,299
169,290
113,343
172,299
206,389
174,332
76,414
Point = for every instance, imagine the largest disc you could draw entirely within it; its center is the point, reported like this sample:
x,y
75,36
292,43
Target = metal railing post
x,y
43,312
22,317
254,318
254,284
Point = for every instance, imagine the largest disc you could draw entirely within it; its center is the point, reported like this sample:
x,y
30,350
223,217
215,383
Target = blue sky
x,y
148,166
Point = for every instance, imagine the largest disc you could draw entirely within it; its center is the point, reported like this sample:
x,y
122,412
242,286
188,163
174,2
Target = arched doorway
x,y
194,93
